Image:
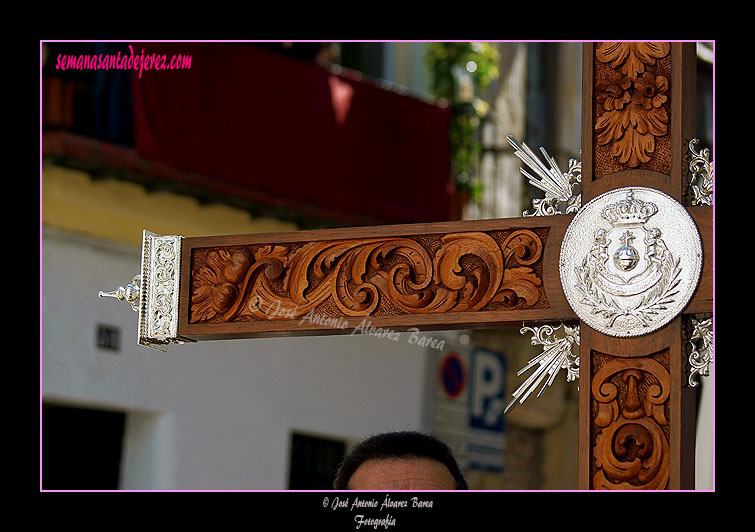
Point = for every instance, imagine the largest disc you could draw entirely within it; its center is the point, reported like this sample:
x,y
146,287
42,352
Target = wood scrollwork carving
x,y
631,92
457,272
631,441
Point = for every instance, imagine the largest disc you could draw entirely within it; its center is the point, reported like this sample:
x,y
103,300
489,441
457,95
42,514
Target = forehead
x,y
402,474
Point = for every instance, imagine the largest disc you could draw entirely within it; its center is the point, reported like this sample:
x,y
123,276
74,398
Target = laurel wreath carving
x,y
656,300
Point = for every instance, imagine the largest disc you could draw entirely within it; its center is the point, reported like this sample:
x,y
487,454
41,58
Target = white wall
x,y
211,415
705,448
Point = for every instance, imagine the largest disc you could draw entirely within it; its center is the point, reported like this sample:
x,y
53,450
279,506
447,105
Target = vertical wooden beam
x,y
636,413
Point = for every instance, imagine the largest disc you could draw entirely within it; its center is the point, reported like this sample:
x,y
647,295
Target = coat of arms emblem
x,y
630,261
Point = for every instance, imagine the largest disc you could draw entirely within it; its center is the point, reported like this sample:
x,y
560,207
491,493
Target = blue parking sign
x,y
487,379
487,387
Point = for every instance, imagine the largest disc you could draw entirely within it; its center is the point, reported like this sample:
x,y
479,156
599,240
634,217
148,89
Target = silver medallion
x,y
630,261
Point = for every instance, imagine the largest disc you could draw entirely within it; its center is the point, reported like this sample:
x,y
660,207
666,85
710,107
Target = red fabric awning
x,y
288,128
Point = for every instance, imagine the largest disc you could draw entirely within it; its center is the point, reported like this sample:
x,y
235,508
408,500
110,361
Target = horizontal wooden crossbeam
x,y
446,275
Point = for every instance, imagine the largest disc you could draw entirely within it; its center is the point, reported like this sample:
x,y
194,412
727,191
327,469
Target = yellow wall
x,y
119,211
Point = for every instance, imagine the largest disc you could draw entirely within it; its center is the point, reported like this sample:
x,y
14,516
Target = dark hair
x,y
403,444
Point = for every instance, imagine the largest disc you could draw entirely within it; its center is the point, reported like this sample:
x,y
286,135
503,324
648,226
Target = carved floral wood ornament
x,y
630,402
631,99
454,272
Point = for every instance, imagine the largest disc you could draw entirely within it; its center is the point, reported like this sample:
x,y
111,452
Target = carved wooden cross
x,y
637,410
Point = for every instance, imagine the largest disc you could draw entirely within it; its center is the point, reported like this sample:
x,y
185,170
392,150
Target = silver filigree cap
x,y
154,293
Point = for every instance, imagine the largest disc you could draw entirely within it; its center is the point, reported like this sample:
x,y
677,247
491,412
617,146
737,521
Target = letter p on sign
x,y
487,390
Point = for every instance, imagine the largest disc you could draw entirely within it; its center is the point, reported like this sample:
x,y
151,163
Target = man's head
x,y
400,461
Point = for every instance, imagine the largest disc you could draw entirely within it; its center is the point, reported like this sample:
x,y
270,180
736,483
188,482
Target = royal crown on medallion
x,y
630,211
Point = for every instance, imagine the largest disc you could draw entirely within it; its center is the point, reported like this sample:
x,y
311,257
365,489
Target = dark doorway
x,y
314,462
81,448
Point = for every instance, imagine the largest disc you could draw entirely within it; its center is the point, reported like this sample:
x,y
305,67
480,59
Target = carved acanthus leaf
x,y
630,58
632,101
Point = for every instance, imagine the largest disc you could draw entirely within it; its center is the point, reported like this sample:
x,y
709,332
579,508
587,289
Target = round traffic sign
x,y
452,375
